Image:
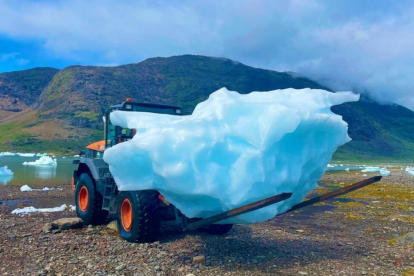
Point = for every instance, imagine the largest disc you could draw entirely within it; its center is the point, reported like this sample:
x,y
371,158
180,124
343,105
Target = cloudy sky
x,y
360,45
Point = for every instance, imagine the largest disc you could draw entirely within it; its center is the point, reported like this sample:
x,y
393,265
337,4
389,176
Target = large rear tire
x,y
138,218
89,201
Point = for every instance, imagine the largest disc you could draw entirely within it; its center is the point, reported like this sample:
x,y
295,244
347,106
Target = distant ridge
x,y
67,104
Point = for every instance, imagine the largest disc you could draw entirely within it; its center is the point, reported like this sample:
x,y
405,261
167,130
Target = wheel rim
x,y
126,214
83,198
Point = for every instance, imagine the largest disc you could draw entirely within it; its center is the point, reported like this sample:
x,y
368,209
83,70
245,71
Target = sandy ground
x,y
353,235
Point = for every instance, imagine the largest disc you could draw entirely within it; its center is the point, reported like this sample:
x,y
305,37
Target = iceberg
x,y
44,161
371,169
5,171
6,175
233,150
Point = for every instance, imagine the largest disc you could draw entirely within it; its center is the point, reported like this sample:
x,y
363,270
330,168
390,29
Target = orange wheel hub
x,y
83,198
126,214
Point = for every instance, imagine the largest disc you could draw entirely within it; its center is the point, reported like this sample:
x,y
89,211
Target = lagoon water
x,y
35,175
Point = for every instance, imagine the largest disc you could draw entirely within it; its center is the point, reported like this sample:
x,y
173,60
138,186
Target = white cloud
x,y
13,57
341,43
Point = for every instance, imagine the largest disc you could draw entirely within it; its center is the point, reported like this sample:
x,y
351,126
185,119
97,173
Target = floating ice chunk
x,y
4,171
31,209
371,169
6,175
44,161
384,172
347,169
408,169
76,155
233,150
26,188
6,153
411,172
26,154
364,174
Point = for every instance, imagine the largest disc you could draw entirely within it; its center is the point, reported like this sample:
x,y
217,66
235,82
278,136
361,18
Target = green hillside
x,y
76,97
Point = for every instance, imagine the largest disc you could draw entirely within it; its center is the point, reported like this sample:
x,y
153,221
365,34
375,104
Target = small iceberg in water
x,y
44,161
5,175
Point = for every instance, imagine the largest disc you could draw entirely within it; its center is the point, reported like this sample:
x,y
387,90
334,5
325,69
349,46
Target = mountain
x,y
21,89
64,114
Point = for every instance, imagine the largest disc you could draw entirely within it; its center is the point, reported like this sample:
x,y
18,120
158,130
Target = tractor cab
x,y
115,134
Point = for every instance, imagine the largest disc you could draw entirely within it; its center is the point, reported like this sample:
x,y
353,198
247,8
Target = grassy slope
x,y
23,134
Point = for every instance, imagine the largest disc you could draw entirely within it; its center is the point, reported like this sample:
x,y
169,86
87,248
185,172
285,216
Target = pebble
x,y
199,259
120,267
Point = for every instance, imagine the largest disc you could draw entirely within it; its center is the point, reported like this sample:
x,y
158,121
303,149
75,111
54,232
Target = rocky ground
x,y
356,234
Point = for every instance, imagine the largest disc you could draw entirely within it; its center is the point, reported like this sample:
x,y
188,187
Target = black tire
x,y
92,213
217,229
144,223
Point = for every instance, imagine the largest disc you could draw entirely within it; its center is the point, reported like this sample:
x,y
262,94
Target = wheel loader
x,y
139,213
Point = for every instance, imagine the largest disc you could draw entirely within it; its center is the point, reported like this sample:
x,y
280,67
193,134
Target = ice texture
x,y
31,209
371,169
44,161
233,150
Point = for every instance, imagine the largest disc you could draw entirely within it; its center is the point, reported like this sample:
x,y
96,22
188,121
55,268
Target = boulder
x,y
199,259
113,225
407,239
62,224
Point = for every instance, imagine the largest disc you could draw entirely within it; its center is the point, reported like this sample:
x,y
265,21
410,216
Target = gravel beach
x,y
356,234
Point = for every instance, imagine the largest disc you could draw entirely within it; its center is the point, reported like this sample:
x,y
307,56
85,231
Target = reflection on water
x,y
5,179
43,172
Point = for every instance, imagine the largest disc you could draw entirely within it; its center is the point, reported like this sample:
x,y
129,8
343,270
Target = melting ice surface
x,y
44,161
233,150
